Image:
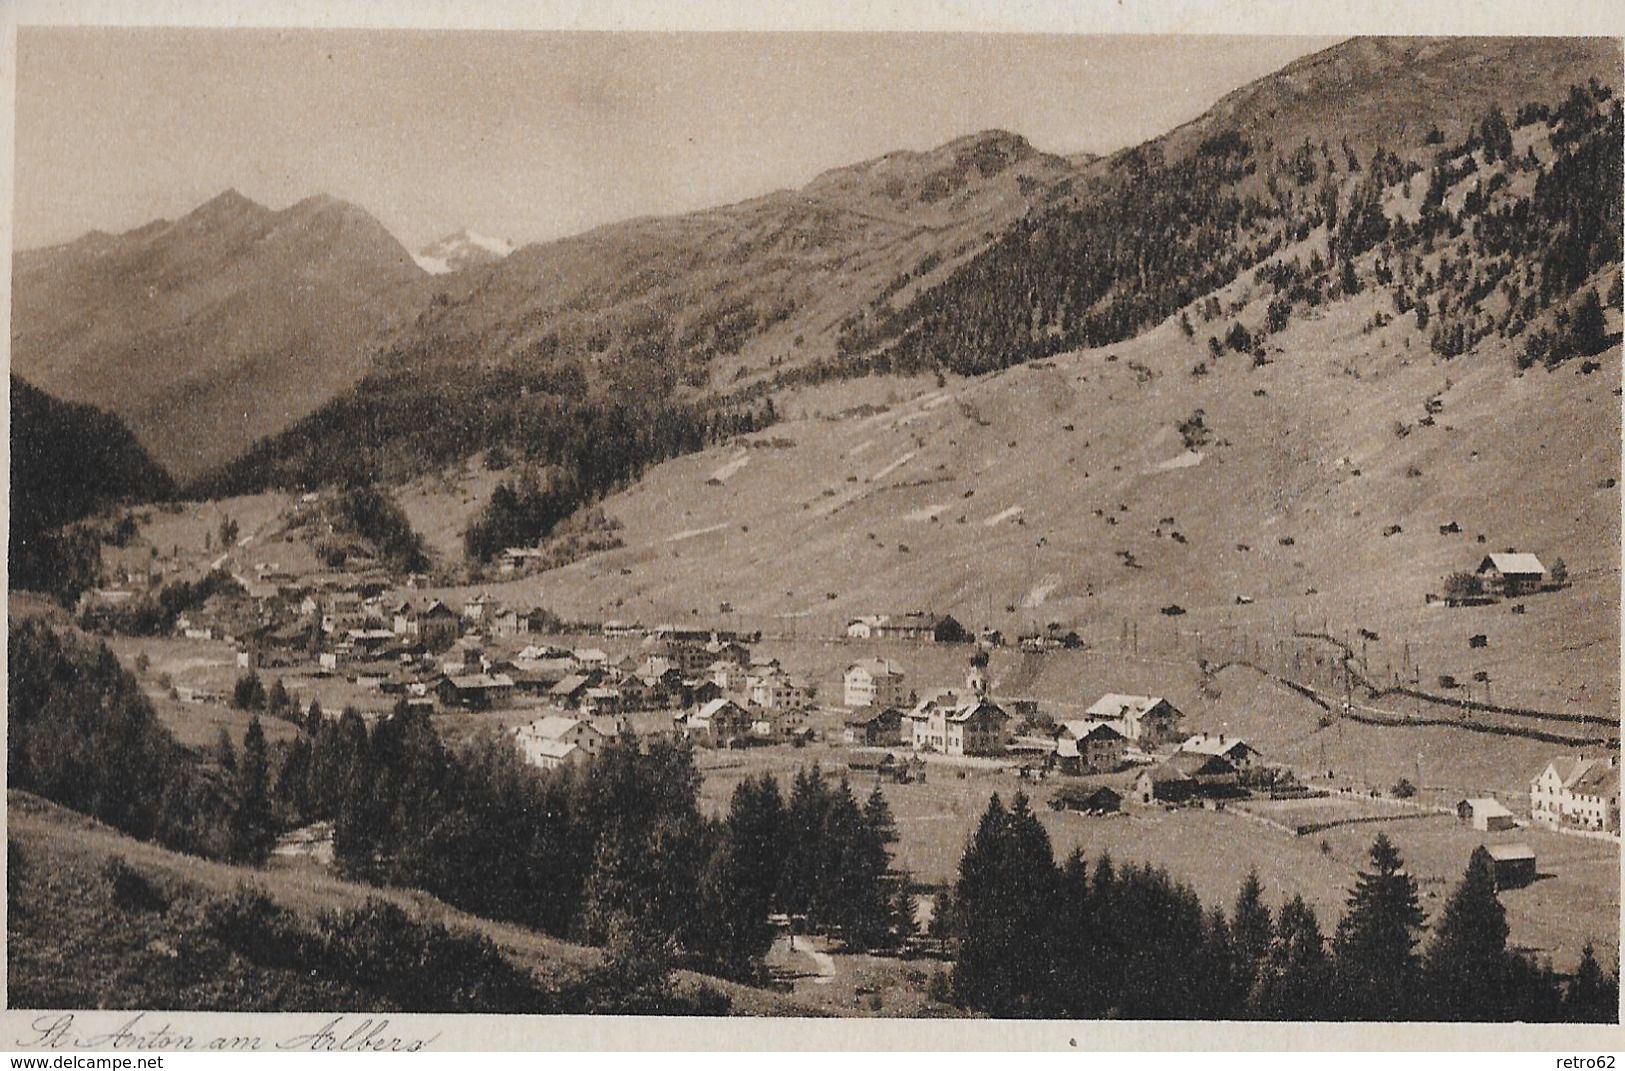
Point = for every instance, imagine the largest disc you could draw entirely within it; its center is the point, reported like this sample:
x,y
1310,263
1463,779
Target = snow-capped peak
x,y
462,250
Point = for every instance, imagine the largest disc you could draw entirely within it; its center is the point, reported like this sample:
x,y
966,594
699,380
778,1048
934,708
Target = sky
x,y
531,136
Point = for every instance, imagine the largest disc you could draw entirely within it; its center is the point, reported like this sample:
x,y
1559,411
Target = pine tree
x,y
1466,966
1376,967
224,753
877,813
253,829
1592,995
277,701
1004,899
1292,982
1251,931
1251,920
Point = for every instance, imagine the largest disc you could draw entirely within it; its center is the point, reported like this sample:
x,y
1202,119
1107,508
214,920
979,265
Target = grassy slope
x,y
70,920
1314,458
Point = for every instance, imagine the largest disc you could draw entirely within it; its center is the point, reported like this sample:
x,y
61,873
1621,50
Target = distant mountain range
x,y
217,333
207,333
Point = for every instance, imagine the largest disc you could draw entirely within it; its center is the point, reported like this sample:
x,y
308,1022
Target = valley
x,y
842,600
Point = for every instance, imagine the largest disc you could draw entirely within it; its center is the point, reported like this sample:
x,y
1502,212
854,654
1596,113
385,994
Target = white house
x,y
958,724
555,740
1145,719
1576,792
1486,814
873,682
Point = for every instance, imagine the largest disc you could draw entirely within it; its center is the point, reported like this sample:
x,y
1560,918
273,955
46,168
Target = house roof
x,y
978,708
569,685
1194,764
1088,729
711,709
1570,769
1600,779
888,714
555,749
1489,808
876,667
1513,564
1209,744
1113,706
552,727
1165,773
478,681
1506,853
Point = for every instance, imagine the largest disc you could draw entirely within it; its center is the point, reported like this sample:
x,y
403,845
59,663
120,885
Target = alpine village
x,y
1176,584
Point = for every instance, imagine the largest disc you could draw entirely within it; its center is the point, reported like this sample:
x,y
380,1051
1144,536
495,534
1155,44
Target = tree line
x,y
1091,940
615,852
410,417
68,461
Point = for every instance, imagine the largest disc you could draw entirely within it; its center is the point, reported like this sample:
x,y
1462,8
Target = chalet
x,y
403,620
727,651
1161,784
873,682
1145,719
875,728
703,692
1486,815
688,656
1511,573
343,610
917,627
438,626
863,628
1576,793
474,609
1100,800
554,741
371,642
507,622
958,724
475,691
718,723
1240,754
590,658
1088,747
516,559
571,692
602,700
779,691
1514,864
538,675
1209,773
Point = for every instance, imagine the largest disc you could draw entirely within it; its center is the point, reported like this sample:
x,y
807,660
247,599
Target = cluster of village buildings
x,y
709,686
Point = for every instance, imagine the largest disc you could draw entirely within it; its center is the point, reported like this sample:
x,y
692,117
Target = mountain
x,y
67,462
1314,146
210,332
657,333
464,249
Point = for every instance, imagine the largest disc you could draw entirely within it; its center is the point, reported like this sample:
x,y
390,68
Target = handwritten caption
x,y
147,1032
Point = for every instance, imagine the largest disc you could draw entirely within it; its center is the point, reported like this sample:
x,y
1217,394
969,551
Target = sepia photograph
x,y
809,524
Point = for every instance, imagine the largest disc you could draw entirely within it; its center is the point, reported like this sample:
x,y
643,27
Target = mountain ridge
x,y
211,331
